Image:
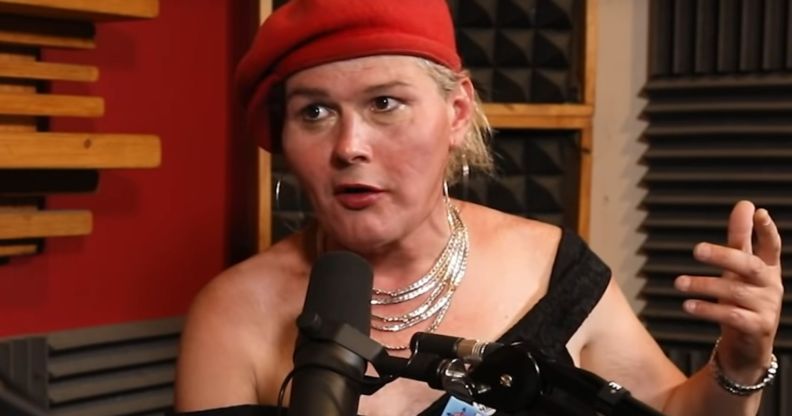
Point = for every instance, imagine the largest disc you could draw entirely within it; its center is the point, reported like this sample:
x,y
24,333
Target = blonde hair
x,y
475,149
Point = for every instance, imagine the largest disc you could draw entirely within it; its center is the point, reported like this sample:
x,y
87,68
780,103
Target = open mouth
x,y
357,197
355,189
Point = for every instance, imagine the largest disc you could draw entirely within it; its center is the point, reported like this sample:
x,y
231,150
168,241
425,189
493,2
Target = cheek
x,y
422,151
303,159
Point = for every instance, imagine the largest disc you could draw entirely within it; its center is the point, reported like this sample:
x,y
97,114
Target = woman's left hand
x,y
749,292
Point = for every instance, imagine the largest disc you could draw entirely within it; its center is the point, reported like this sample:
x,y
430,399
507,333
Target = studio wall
x,y
159,234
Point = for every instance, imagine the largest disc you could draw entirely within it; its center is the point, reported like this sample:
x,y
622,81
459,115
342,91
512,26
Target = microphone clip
x,y
312,325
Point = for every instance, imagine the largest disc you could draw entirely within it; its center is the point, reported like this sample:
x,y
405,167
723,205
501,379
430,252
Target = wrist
x,y
745,381
740,371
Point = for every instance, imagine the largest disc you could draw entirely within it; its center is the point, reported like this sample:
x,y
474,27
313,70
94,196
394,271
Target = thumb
x,y
741,226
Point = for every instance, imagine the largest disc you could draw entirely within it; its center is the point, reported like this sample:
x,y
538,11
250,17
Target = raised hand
x,y
749,292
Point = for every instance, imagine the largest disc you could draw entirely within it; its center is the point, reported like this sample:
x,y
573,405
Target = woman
x,y
367,101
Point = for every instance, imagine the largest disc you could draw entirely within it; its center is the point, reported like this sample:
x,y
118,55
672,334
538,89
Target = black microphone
x,y
327,377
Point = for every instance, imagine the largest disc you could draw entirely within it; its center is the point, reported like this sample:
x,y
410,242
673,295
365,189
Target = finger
x,y
768,240
740,319
729,291
742,265
741,226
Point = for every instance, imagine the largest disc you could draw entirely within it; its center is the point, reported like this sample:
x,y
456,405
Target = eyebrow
x,y
307,91
318,92
386,86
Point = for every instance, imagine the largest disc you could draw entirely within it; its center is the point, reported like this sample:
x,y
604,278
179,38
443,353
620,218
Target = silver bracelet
x,y
736,388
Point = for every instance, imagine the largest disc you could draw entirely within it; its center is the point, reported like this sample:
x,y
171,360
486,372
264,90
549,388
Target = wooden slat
x,y
17,124
83,9
18,86
48,71
51,105
18,53
18,247
17,56
538,110
78,151
590,53
20,203
44,224
17,250
26,31
541,116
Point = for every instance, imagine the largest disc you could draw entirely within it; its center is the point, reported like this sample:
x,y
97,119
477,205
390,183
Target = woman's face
x,y
369,139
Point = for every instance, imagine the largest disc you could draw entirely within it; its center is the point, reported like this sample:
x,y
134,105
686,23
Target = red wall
x,y
158,234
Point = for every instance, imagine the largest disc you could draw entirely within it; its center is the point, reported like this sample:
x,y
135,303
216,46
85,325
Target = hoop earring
x,y
289,222
445,191
277,192
465,177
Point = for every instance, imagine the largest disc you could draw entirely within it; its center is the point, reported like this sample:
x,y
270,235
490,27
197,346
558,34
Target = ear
x,y
461,104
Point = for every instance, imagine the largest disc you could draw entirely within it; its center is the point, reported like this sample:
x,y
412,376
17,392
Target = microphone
x,y
327,376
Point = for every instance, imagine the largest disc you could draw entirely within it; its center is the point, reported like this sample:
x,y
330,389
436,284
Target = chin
x,y
361,240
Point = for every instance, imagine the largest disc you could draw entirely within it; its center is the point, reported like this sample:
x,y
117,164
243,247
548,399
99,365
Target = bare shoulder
x,y
498,229
515,252
236,319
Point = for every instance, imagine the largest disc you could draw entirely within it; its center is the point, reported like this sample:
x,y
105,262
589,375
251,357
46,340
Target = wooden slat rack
x,y
36,163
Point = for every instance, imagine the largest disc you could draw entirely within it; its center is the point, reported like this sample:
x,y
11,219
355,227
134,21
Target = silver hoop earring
x,y
277,192
465,177
445,191
291,223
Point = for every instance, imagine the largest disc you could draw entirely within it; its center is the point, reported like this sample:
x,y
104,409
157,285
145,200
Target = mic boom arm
x,y
517,377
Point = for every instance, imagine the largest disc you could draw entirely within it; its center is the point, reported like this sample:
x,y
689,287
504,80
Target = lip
x,y
363,197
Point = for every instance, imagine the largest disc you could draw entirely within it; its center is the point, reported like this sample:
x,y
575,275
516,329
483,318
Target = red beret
x,y
306,33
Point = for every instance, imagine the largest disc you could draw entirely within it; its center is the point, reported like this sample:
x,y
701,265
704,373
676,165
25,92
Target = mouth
x,y
355,189
357,196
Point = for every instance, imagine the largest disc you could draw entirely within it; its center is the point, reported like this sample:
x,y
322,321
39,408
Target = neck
x,y
400,262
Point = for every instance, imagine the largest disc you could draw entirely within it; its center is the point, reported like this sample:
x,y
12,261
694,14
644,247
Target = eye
x,y
385,104
314,112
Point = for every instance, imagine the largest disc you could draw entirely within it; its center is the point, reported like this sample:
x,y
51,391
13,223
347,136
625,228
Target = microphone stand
x,y
512,378
518,377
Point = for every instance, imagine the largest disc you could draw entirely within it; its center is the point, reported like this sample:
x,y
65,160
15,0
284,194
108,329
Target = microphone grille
x,y
339,289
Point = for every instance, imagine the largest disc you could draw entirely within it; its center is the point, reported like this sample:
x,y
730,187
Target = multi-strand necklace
x,y
440,283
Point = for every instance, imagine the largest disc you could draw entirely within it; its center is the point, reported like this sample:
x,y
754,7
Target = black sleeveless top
x,y
577,282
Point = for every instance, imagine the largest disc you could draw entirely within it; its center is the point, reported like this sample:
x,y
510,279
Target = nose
x,y
352,143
